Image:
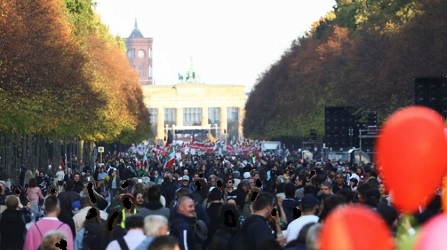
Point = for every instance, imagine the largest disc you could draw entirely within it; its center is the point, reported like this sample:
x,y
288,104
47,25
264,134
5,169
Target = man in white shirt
x,y
79,217
133,238
309,205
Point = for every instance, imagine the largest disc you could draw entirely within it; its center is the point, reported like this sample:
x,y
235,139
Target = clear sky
x,y
230,42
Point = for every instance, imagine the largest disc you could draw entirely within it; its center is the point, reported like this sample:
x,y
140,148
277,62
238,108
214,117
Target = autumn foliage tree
x,y
363,54
64,77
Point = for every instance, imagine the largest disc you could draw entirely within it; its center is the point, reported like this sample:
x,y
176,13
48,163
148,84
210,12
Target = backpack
x,y
92,235
200,231
237,242
221,239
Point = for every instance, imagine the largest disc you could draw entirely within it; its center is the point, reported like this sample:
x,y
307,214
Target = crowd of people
x,y
203,202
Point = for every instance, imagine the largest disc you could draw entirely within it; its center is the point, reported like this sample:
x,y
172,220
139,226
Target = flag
x,y
171,158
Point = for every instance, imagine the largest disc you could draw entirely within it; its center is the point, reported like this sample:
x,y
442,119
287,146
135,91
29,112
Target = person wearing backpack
x,y
135,234
88,237
229,226
181,227
49,222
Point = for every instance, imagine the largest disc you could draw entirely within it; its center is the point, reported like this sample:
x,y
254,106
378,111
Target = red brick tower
x,y
139,53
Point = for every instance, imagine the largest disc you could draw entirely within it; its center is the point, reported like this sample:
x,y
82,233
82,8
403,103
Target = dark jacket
x,y
155,208
182,230
93,232
78,187
105,240
200,211
12,229
241,195
66,200
289,204
43,183
65,218
213,213
168,191
256,230
222,237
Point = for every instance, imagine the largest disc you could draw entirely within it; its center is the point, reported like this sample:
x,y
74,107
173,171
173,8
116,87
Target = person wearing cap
x,y
185,181
88,177
309,205
247,175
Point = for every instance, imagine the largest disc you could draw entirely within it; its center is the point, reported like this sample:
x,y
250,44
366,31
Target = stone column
x,y
160,123
223,122
179,118
204,116
240,121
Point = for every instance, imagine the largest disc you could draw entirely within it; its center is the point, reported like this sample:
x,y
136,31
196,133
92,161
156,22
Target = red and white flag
x,y
171,158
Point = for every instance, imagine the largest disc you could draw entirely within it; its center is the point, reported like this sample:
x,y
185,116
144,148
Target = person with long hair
x,y
92,229
28,175
112,229
228,227
33,194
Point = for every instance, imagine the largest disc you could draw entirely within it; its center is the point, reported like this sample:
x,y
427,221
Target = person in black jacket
x,y
290,204
12,224
112,229
256,228
229,226
168,188
214,197
67,198
181,224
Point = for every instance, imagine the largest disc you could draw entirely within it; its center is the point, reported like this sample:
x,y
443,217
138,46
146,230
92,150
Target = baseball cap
x,y
75,206
247,175
309,201
185,178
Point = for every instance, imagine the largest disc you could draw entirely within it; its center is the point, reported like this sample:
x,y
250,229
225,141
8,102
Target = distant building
x,y
139,53
194,109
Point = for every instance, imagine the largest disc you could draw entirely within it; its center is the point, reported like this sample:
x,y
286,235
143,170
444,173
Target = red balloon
x,y
412,155
355,227
432,235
